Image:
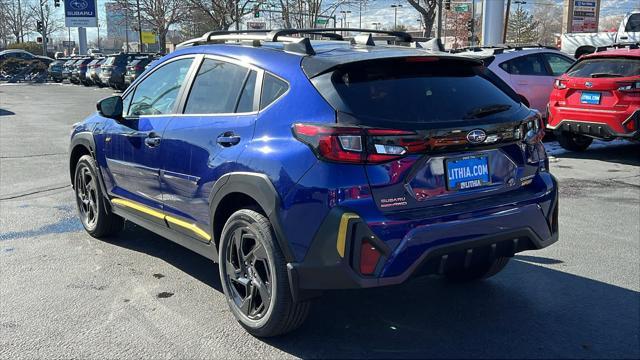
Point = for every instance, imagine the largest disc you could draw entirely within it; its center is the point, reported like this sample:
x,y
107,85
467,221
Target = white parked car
x,y
578,44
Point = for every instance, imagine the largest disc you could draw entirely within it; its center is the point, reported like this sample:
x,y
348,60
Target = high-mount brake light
x,y
420,59
357,145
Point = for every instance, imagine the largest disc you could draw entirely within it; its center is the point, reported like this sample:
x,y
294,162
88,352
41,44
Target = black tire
x,y
478,272
573,142
254,277
97,219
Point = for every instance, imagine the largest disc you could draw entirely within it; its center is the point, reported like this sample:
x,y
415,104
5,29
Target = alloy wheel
x,y
248,273
87,197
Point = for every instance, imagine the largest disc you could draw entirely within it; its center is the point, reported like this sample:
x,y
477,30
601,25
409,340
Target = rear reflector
x,y
369,257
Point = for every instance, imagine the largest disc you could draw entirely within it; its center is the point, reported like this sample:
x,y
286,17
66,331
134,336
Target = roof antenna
x,y
302,46
363,39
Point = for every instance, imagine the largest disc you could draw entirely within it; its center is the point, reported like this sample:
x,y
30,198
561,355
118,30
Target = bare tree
x,y
611,22
427,10
220,14
17,17
51,21
549,20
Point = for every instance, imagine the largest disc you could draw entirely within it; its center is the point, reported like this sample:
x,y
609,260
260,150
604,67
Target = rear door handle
x,y
228,139
152,140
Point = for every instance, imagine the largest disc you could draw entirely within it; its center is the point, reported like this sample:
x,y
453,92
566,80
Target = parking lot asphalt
x,y
66,294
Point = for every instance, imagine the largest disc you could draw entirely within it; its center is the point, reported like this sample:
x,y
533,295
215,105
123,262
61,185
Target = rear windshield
x,y
414,91
109,60
605,67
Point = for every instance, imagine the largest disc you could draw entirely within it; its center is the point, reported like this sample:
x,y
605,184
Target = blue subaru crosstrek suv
x,y
306,165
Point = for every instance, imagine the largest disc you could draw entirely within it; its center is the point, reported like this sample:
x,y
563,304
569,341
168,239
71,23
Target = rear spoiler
x,y
315,66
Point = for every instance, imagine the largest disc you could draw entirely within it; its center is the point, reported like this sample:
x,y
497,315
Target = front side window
x,y
158,93
558,64
216,88
525,65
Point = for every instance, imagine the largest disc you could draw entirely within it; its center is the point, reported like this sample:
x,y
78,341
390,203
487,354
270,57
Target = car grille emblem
x,y
476,136
588,84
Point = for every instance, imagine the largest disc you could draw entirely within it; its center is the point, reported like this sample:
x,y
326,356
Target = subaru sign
x,y
80,13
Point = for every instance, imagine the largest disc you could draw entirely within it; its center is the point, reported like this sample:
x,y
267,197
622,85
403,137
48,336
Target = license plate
x,y
467,172
590,97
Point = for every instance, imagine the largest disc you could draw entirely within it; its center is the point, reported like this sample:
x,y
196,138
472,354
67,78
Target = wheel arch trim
x,y
260,188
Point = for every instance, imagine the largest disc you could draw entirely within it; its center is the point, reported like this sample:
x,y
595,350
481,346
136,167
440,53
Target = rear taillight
x,y
560,84
629,86
357,145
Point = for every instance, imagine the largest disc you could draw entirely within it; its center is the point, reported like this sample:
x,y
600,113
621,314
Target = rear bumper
x,y
430,247
602,130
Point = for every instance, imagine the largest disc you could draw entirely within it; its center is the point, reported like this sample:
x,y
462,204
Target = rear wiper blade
x,y
486,110
601,75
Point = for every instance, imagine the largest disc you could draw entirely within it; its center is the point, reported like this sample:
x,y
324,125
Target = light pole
x,y
395,15
344,14
421,26
139,27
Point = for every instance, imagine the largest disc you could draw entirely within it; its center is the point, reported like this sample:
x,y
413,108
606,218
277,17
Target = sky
x,y
381,11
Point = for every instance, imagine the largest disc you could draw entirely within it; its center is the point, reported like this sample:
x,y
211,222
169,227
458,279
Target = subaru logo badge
x,y
476,136
588,84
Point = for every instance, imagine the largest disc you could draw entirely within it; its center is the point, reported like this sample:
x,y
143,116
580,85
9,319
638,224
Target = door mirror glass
x,y
111,107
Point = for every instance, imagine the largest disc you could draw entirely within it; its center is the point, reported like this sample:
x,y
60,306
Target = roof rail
x,y
400,35
298,44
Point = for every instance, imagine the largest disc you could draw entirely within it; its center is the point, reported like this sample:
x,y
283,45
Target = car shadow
x,y
136,238
527,311
621,153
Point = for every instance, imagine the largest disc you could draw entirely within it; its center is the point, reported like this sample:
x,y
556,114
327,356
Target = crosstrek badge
x,y
397,201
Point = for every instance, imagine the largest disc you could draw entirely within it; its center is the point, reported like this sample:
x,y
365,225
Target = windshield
x,y
605,67
109,60
414,91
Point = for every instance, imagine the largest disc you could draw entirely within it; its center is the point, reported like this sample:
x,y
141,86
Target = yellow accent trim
x,y
144,209
139,207
341,242
189,226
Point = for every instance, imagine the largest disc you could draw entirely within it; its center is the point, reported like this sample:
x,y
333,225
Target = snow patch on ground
x,y
554,148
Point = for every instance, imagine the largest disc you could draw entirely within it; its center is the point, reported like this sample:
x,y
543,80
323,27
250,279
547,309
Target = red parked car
x,y
598,97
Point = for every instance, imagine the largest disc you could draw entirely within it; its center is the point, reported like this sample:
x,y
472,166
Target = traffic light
x,y
447,4
39,27
256,11
56,3
470,25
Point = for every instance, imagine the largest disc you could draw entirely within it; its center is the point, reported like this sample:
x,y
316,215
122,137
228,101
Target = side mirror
x,y
111,107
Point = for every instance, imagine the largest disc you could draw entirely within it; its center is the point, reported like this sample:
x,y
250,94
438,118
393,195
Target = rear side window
x,y
605,67
272,89
399,90
216,88
245,104
633,24
525,65
558,63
